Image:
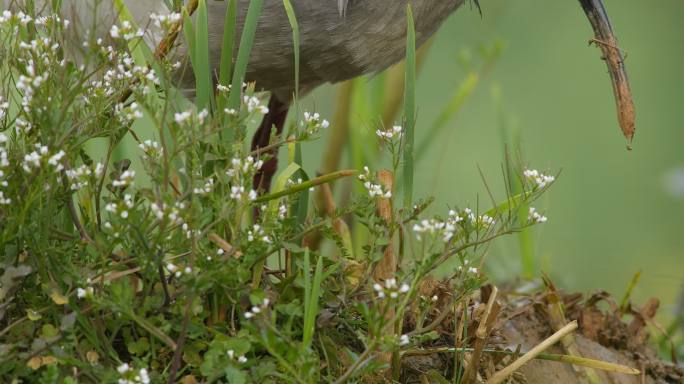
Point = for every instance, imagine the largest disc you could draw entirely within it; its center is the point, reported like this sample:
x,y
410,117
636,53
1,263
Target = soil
x,y
518,322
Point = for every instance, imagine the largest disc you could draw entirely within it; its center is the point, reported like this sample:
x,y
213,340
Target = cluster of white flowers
x,y
165,21
84,293
4,106
34,159
390,289
239,193
206,189
189,232
404,340
182,117
126,179
24,19
22,126
390,134
433,227
4,163
45,20
471,270
539,179
177,271
481,220
282,211
20,16
122,208
202,115
151,148
246,166
257,309
121,70
374,190
126,31
535,217
446,229
81,176
240,173
257,233
128,114
56,161
170,212
291,183
227,88
254,104
240,359
5,16
35,73
130,376
314,123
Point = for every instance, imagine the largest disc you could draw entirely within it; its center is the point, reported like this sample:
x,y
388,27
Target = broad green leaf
x,y
201,67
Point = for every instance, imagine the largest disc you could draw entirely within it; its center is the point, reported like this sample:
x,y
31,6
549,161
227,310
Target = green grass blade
x,y
246,42
204,93
303,201
292,18
189,33
307,292
312,292
409,109
228,45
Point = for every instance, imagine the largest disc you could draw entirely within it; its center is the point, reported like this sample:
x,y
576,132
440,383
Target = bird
x,y
339,40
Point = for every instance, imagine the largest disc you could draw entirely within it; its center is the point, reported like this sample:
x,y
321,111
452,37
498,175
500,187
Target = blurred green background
x,y
612,212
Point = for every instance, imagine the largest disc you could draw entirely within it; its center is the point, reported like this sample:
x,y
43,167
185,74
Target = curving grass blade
x,y
292,18
409,109
246,42
227,48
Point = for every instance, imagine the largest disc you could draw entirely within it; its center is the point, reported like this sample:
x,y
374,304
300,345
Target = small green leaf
x,y
48,331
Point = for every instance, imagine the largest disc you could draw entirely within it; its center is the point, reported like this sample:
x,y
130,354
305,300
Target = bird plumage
x,y
340,39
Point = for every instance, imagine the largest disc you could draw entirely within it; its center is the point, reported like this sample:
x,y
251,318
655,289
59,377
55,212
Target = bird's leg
x,y
277,113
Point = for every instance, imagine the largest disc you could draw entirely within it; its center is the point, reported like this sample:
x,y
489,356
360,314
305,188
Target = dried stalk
x,y
500,376
481,334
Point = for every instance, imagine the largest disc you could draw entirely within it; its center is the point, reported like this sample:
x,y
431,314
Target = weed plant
x,y
172,265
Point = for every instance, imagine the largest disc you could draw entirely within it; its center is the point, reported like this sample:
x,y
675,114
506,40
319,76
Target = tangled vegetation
x,y
173,265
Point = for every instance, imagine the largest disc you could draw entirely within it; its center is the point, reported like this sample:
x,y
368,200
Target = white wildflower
x,y
254,104
374,190
255,310
390,134
390,289
535,217
314,123
126,179
182,117
257,233
83,293
539,179
151,148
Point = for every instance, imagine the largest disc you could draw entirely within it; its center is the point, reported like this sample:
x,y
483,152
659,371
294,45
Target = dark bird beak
x,y
606,41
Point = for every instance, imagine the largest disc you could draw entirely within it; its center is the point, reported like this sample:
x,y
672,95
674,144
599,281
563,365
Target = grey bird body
x,y
369,37
340,39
